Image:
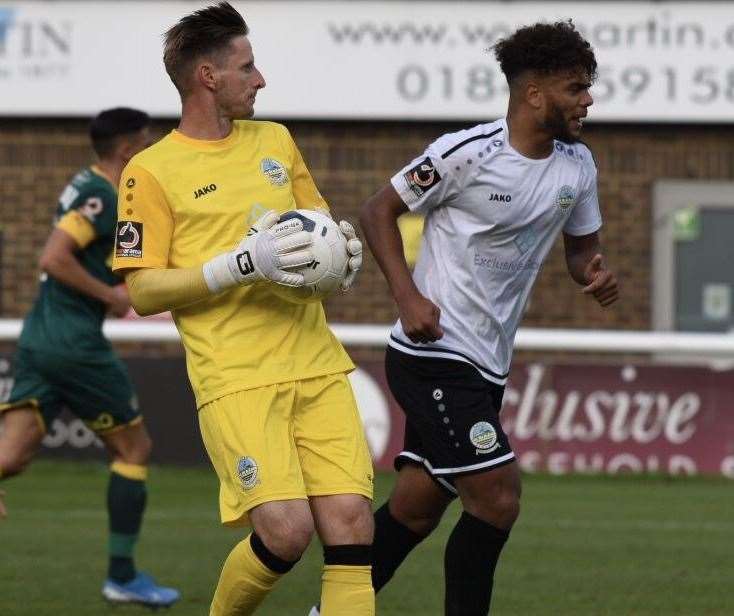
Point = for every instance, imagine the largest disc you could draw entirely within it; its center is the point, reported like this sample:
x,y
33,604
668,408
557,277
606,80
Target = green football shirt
x,y
62,319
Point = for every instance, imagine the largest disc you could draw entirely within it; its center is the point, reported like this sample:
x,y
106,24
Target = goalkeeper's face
x,y
238,81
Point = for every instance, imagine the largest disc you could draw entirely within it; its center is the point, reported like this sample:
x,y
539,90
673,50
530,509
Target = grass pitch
x,y
582,546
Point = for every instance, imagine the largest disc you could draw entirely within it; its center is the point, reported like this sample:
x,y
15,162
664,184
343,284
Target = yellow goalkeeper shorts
x,y
286,441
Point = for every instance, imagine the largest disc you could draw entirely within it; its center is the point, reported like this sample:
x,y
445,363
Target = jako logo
x,y
204,190
499,197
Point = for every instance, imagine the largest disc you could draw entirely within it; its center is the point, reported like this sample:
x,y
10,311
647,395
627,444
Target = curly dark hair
x,y
545,49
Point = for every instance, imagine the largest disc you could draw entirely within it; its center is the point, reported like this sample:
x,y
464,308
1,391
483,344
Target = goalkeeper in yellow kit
x,y
198,234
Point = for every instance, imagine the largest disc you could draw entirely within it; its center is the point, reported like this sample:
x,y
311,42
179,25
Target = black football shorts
x,y
452,424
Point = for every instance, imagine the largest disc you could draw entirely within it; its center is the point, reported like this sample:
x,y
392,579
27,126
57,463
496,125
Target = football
x,y
325,274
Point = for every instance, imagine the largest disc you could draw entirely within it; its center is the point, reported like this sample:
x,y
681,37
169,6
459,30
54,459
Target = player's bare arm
x,y
59,261
379,219
587,267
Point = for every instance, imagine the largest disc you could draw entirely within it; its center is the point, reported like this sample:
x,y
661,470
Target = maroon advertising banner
x,y
602,419
560,418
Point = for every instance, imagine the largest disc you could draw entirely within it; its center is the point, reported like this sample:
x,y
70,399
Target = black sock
x,y
125,505
472,552
393,542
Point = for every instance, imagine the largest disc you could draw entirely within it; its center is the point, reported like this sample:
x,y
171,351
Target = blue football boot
x,y
143,590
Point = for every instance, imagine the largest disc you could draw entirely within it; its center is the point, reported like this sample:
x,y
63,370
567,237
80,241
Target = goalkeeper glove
x,y
267,252
354,248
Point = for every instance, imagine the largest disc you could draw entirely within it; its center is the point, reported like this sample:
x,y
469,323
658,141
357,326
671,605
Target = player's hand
x,y
602,283
420,318
118,301
268,252
354,248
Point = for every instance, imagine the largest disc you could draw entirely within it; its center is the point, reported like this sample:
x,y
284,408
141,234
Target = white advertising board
x,y
658,61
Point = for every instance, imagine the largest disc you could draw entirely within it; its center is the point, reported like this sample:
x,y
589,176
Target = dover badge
x,y
566,198
274,171
247,472
484,437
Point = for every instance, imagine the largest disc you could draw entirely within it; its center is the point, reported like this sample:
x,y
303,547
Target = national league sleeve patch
x,y
129,239
422,177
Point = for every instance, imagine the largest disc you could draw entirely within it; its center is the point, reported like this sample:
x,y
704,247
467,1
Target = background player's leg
x,y
281,533
491,503
414,509
345,526
129,449
20,438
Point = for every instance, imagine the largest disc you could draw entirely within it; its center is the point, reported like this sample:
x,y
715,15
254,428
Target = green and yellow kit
x,y
63,358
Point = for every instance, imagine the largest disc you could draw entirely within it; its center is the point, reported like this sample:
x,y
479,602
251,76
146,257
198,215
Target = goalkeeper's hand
x,y
354,248
268,252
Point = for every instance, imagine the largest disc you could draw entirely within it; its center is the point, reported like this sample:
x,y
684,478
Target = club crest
x,y
274,171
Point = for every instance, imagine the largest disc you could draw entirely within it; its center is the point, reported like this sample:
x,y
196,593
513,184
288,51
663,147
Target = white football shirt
x,y
491,217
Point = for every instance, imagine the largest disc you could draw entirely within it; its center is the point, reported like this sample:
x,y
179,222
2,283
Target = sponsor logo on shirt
x,y
204,190
422,177
129,239
91,208
500,197
566,198
130,183
492,262
274,171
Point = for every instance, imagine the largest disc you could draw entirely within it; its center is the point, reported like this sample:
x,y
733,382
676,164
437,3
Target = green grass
x,y
583,546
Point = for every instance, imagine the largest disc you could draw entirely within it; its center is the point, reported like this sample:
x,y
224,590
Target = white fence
x,y
714,346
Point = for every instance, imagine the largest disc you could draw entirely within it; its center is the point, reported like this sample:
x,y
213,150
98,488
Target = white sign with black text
x,y
658,61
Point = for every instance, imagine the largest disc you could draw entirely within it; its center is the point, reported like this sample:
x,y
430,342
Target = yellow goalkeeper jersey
x,y
183,201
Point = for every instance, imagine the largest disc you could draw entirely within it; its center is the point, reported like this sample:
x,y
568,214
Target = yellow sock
x,y
244,582
346,590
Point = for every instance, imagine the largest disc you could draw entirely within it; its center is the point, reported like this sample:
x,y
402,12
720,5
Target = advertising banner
x,y
560,418
658,61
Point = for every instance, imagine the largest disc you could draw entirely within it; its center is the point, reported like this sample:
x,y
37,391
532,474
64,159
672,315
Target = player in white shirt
x,y
495,197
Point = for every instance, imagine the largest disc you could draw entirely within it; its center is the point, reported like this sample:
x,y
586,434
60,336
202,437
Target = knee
x,y
421,520
501,508
144,448
286,536
507,505
13,463
133,451
359,522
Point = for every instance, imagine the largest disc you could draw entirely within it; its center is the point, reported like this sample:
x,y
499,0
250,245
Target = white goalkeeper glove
x,y
269,250
354,248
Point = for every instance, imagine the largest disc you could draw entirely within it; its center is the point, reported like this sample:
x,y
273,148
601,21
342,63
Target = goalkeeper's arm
x,y
268,252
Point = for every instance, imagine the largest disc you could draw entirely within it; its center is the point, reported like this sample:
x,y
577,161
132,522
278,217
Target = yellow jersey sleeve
x,y
305,193
144,221
79,227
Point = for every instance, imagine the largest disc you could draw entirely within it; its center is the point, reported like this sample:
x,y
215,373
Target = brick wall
x,y
349,162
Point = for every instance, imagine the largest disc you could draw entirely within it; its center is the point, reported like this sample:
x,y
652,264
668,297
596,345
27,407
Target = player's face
x,y
240,80
567,101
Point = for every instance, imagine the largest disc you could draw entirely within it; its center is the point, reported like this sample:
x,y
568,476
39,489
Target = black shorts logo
x,y
422,177
129,239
